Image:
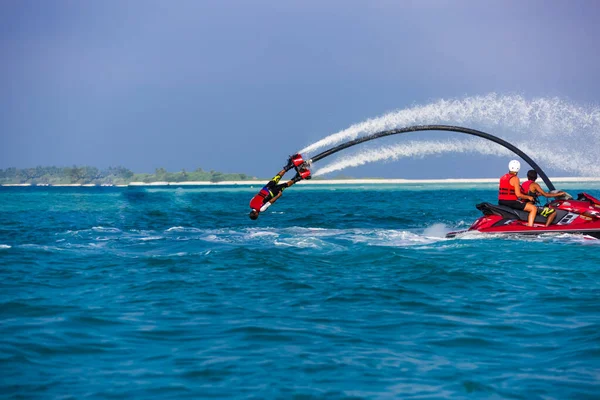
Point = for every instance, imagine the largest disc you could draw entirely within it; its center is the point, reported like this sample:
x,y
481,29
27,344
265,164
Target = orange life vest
x,y
506,191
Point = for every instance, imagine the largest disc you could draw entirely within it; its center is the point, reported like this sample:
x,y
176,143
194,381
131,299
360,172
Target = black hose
x,y
446,128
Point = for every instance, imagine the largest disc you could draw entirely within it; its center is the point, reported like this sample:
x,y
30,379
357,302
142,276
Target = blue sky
x,y
236,86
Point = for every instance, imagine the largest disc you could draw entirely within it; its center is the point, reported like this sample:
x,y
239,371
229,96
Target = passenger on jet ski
x,y
531,188
273,189
510,195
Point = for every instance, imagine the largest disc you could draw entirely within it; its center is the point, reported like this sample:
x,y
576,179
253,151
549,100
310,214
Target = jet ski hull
x,y
526,230
581,216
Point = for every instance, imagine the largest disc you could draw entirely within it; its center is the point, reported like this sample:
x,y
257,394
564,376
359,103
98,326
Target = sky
x,y
237,86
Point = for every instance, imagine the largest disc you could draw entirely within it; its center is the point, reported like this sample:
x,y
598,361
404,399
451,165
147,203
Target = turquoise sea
x,y
336,292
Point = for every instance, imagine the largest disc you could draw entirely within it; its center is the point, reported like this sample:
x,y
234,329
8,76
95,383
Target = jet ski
x,y
580,216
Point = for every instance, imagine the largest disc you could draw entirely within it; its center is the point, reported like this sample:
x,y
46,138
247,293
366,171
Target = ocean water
x,y
336,292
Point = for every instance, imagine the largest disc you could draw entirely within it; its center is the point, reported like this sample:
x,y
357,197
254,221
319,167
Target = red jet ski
x,y
581,216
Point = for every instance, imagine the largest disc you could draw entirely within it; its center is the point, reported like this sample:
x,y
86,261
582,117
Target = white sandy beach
x,y
357,181
319,182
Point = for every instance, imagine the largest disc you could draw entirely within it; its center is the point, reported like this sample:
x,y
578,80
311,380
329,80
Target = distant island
x,y
121,176
86,175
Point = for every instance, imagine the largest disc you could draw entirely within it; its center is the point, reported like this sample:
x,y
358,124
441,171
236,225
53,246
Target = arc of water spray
x,y
424,148
445,128
543,116
563,134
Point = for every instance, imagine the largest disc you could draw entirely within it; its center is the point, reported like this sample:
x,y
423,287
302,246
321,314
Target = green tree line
x,y
198,175
109,176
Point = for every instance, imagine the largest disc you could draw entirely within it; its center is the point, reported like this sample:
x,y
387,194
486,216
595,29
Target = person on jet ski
x,y
510,195
273,190
531,188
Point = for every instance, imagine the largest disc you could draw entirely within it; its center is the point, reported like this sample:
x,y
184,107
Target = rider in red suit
x,y
273,189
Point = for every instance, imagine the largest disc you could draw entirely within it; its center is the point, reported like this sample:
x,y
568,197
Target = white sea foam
x,y
303,242
539,126
392,238
436,231
256,234
151,238
218,238
183,229
321,238
33,246
105,229
5,246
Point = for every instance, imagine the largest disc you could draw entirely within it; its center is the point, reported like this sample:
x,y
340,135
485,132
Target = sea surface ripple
x,y
337,292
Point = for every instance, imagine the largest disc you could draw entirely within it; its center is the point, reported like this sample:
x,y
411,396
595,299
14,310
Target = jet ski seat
x,y
511,213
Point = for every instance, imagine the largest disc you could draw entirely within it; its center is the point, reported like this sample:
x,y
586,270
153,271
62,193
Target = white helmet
x,y
514,166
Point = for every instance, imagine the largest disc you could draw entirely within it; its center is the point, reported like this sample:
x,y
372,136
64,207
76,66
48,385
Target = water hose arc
x,y
446,128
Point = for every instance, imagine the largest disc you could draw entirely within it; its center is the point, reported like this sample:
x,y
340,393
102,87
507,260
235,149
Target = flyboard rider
x,y
510,194
273,189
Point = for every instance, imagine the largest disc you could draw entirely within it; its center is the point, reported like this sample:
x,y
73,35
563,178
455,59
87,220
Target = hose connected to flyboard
x,y
447,128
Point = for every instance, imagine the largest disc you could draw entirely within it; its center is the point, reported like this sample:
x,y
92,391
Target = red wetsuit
x,y
269,191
